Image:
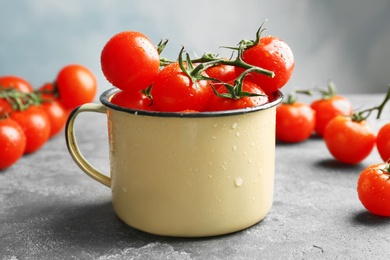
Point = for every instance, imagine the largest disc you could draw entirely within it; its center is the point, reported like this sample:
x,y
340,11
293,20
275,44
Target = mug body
x,y
191,174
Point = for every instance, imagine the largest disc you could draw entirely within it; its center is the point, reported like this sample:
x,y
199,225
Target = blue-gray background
x,y
347,41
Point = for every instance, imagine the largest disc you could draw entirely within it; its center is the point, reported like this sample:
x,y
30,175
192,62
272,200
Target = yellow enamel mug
x,y
186,174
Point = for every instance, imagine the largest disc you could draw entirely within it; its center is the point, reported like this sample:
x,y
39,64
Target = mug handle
x,y
72,145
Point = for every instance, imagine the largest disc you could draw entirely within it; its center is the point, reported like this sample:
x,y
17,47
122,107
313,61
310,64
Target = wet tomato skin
x,y
294,122
349,141
373,189
12,142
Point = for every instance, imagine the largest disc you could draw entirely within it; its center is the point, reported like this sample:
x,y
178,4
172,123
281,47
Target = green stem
x,y
292,97
364,114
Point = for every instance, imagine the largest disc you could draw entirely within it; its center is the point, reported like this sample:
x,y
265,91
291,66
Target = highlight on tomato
x,y
373,188
130,61
76,85
12,142
138,100
176,89
15,82
350,139
270,53
36,126
383,142
295,121
233,95
329,106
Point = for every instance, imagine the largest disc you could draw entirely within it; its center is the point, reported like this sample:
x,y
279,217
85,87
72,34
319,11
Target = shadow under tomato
x,y
368,219
334,164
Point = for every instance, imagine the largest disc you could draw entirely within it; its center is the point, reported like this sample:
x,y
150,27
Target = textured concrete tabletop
x,y
50,209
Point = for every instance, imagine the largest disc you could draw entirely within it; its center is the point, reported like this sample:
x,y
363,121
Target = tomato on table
x,y
76,85
373,189
36,126
349,141
12,142
294,122
16,83
329,106
57,115
130,61
218,103
273,54
383,142
174,91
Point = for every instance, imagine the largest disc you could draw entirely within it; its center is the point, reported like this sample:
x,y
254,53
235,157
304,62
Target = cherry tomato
x,y
383,142
48,92
5,108
132,99
349,141
373,189
57,115
223,72
12,142
36,126
327,108
16,82
294,122
174,91
273,54
220,103
76,85
130,61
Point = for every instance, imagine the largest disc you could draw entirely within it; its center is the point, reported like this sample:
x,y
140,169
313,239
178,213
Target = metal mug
x,y
186,174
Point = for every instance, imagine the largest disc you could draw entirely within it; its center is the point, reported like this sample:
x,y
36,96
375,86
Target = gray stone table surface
x,y
50,209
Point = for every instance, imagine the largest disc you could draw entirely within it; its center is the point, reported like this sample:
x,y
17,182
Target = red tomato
x,y
5,108
16,82
383,142
76,85
12,142
327,108
36,126
347,140
57,115
273,54
130,61
132,99
294,122
48,92
223,72
174,91
373,189
220,103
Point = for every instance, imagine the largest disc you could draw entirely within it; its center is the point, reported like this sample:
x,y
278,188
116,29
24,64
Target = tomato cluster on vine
x,y
30,117
148,81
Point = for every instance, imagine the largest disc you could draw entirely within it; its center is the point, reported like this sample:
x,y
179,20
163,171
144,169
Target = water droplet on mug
x,y
213,137
234,148
238,182
234,126
223,166
250,161
124,188
237,134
